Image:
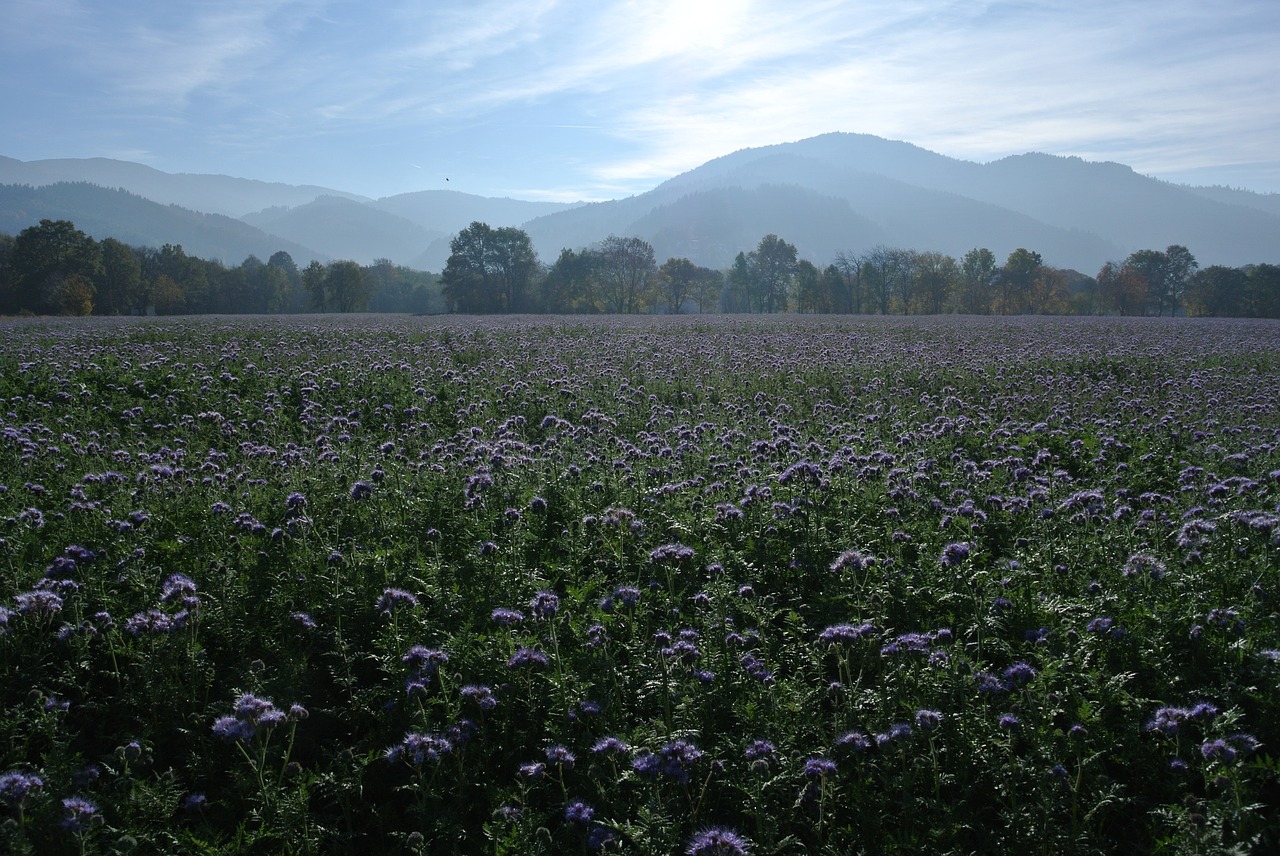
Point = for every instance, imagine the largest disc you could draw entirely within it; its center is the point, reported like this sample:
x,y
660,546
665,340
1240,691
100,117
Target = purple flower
x,y
481,695
855,740
908,643
627,595
610,746
425,660
817,768
928,720
250,714
1217,750
673,553
78,814
558,754
852,560
579,812
533,770
527,657
361,490
760,753
178,586
42,603
194,803
646,764
953,554
231,729
391,597
717,841
1019,674
1008,721
846,634
16,786
545,604
506,617
418,749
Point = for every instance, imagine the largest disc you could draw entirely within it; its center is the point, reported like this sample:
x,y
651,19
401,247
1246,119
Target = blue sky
x,y
592,99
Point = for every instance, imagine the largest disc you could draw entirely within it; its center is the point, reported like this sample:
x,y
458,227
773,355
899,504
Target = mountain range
x,y
827,194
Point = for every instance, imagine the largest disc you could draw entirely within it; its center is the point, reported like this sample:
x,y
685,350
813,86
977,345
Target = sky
x,y
568,100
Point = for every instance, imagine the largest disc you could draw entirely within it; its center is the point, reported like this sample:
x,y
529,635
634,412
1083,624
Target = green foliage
x,y
1014,578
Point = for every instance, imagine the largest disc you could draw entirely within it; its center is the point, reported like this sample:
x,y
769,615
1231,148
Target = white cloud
x,y
671,83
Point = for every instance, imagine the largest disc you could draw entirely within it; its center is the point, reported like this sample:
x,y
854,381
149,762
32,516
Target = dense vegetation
x,y
657,585
55,269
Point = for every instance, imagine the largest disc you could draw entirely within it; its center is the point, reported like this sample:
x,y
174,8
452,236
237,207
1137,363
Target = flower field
x,y
646,585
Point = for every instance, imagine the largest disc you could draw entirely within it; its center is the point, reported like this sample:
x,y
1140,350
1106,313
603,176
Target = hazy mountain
x,y
826,194
1268,202
1075,213
448,211
347,229
103,213
212,194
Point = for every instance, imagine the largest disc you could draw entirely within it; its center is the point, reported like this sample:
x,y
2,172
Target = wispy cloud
x,y
648,88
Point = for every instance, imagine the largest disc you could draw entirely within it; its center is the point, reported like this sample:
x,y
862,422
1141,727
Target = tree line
x,y
53,268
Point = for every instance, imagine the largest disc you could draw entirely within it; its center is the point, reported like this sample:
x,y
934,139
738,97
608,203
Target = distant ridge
x,y
827,194
127,217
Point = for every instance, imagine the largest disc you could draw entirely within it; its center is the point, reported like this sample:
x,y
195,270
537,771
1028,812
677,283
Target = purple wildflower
x,y
78,814
418,749
610,746
392,596
673,553
527,657
717,841
855,740
818,768
953,554
579,812
481,695
845,634
545,604
927,720
506,617
16,786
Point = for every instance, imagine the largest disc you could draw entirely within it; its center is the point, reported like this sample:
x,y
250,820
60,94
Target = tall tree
x,y
1122,288
1179,267
490,270
43,259
851,267
738,285
1150,266
315,286
936,275
626,273
467,286
1216,291
773,265
977,276
708,285
811,296
120,291
881,266
569,285
676,280
513,266
1262,291
1017,279
350,289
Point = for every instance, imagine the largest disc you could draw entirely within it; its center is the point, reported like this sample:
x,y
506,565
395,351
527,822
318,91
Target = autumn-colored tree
x,y
43,257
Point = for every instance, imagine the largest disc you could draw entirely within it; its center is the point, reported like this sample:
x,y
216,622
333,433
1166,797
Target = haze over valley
x,y
828,194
